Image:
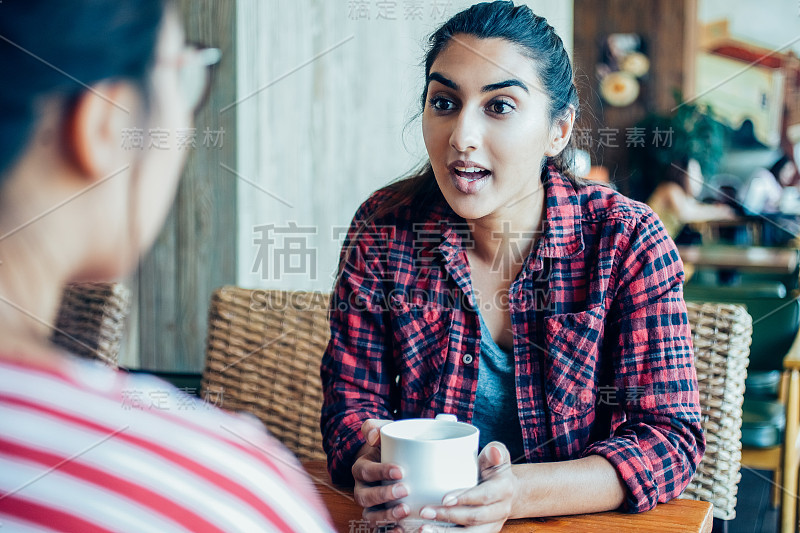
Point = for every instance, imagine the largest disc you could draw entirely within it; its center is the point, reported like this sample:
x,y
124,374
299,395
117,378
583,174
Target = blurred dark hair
x,y
777,167
60,48
536,39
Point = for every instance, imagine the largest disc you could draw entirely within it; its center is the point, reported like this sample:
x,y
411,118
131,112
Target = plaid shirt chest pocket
x,y
571,363
422,340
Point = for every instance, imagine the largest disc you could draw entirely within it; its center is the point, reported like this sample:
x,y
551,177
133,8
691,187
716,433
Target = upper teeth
x,y
470,169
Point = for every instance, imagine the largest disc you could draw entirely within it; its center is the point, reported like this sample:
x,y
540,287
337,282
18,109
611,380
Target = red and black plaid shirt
x,y
604,361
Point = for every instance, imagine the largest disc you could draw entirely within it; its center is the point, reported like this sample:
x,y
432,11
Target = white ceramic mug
x,y
437,456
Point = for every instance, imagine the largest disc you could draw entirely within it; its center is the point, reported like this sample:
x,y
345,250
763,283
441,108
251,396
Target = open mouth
x,y
471,173
468,177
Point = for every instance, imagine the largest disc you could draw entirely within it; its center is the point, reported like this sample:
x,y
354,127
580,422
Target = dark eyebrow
x,y
503,85
435,76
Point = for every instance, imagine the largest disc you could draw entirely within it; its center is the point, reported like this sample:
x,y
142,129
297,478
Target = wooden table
x,y
673,517
746,258
711,229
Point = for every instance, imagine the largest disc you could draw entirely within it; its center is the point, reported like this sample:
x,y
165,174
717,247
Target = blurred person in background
x,y
771,190
774,196
675,201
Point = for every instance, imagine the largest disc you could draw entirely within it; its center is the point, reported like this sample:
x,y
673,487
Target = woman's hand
x,y
369,474
486,507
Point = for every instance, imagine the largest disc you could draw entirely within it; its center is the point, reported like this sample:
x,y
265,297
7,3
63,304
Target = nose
x,y
466,135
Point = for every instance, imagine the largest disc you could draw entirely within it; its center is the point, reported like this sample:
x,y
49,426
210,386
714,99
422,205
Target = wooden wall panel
x,y
337,82
196,251
667,27
314,107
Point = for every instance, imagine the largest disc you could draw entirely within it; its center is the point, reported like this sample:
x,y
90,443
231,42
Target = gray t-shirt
x,y
495,412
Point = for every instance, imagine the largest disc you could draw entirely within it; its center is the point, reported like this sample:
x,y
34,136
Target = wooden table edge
x,y
349,511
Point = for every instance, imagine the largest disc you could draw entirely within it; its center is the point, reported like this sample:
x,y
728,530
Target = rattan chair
x,y
263,356
771,408
264,350
721,335
91,320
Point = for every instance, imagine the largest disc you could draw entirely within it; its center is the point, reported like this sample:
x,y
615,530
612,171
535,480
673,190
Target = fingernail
x,y
396,473
372,438
426,529
400,511
399,491
449,500
427,513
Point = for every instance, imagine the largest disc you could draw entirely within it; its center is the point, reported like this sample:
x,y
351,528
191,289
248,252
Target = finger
x,y
494,458
497,484
371,453
370,429
480,518
413,525
385,516
486,528
368,470
487,493
367,496
493,454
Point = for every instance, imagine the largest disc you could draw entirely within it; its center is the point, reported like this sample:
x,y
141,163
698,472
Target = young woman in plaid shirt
x,y
495,286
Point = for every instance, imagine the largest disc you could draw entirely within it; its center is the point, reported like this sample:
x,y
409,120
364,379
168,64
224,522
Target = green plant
x,y
693,133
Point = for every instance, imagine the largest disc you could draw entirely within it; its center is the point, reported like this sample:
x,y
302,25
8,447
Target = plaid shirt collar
x,y
562,237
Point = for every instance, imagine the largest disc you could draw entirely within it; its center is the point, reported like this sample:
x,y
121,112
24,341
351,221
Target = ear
x,y
560,132
96,125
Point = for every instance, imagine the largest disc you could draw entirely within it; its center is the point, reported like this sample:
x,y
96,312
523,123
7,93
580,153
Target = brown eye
x,y
442,104
500,107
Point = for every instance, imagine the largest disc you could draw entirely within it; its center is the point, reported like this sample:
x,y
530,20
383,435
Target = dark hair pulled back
x,y
537,40
60,49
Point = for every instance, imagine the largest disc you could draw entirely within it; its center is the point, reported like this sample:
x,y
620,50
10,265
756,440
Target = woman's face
x,y
486,128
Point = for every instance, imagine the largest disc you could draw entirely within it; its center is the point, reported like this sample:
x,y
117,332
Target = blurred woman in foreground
x,y
75,206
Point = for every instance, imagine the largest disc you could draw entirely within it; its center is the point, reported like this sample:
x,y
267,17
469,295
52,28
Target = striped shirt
x,y
84,448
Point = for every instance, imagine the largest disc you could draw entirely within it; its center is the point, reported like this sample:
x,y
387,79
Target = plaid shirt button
x,y
467,359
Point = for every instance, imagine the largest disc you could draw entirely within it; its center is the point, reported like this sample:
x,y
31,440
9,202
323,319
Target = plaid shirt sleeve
x,y
354,372
656,438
